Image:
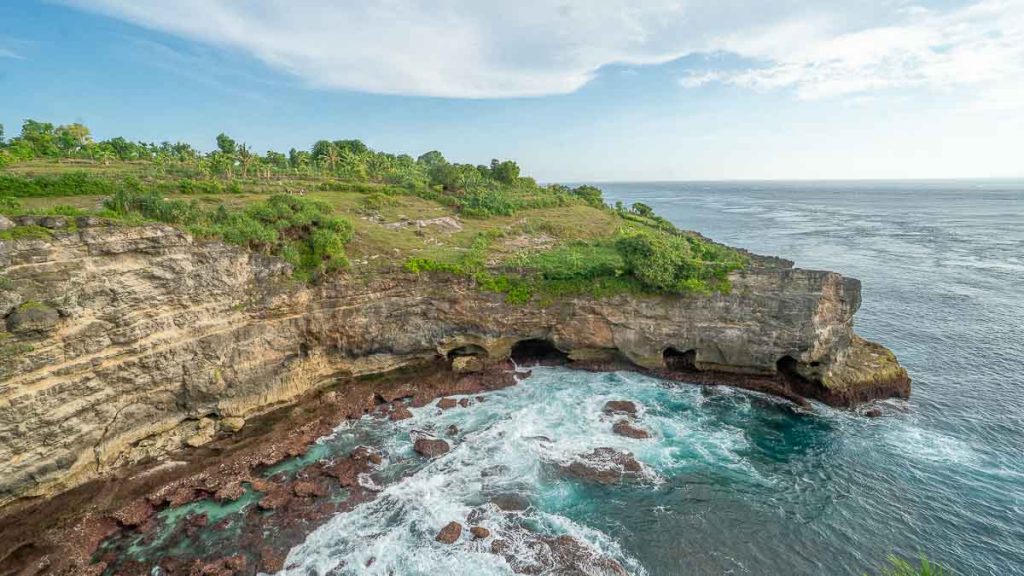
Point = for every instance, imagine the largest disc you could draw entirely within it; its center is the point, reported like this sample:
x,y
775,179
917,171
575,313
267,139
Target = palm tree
x,y
245,157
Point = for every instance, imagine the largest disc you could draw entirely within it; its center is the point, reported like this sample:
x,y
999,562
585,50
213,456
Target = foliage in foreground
x,y
304,232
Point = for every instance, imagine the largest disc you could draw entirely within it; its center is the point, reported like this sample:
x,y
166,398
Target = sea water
x,y
737,482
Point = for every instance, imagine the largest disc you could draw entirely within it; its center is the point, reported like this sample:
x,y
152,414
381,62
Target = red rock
x,y
365,453
198,520
276,499
305,488
260,485
229,492
625,428
400,412
430,447
134,514
620,407
479,532
450,533
446,403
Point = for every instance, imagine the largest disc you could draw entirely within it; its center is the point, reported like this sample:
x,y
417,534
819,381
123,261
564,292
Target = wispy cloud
x,y
471,49
980,46
6,53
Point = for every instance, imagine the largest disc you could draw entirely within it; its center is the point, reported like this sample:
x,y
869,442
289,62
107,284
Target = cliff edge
x,y
119,344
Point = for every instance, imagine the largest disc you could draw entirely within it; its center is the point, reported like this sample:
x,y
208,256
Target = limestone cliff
x,y
122,343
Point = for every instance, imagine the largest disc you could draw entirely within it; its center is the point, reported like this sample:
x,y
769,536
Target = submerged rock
x,y
430,447
450,533
563,555
626,428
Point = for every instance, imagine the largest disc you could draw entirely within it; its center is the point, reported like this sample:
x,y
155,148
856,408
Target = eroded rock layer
x,y
125,343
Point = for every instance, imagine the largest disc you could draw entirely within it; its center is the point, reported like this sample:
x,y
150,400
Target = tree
x,y
226,145
245,157
1,134
39,137
641,209
72,138
506,172
353,146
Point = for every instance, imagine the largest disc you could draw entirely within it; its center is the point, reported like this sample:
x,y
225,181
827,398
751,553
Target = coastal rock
x,y
156,328
399,412
627,429
605,466
134,514
450,533
625,407
230,492
447,403
467,364
479,532
205,431
232,424
430,447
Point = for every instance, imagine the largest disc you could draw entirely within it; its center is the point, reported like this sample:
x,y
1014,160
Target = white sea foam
x,y
512,443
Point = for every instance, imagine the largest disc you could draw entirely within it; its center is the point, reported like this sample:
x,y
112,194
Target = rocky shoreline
x,y
123,348
88,529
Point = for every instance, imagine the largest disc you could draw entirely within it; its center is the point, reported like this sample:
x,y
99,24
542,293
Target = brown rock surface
x,y
155,329
450,533
627,429
430,447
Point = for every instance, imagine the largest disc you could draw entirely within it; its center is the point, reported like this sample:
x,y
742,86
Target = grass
x,y
525,242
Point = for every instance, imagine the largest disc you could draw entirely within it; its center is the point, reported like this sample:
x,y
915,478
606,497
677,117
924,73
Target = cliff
x,y
125,343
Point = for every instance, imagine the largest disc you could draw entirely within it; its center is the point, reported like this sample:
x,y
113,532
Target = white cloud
x,y
5,53
980,47
476,49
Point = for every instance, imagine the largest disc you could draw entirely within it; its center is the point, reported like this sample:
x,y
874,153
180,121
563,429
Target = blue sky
x,y
574,90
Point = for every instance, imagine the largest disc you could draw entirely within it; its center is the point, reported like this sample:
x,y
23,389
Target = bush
x,y
304,232
68,184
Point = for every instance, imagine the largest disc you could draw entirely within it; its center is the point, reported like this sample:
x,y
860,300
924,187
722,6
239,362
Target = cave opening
x,y
467,350
787,367
538,351
680,361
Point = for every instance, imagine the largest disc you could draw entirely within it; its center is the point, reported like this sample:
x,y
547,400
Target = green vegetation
x,y
900,567
338,206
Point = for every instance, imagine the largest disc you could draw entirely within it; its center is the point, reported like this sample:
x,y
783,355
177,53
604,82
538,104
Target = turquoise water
x,y
739,483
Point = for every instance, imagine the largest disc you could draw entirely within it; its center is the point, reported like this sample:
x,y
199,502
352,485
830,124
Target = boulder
x,y
430,447
604,466
399,412
479,532
450,533
446,403
620,407
205,431
232,424
5,223
626,428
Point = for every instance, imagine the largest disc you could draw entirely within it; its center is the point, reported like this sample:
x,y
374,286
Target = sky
x,y
574,90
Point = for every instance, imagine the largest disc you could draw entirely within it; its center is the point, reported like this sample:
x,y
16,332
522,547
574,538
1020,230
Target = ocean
x,y
735,482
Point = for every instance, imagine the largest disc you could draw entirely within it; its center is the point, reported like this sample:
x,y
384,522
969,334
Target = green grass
x,y
518,239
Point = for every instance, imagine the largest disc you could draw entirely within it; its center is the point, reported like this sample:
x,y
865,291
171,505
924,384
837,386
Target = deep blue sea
x,y
735,482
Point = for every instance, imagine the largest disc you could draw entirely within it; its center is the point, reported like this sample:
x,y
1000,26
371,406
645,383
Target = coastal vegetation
x,y
341,202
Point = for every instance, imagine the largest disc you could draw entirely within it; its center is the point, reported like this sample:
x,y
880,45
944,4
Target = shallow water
x,y
738,483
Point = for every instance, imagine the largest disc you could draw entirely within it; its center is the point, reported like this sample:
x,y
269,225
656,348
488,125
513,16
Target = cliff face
x,y
119,344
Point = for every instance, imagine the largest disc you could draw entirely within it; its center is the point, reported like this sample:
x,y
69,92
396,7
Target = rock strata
x,y
117,340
